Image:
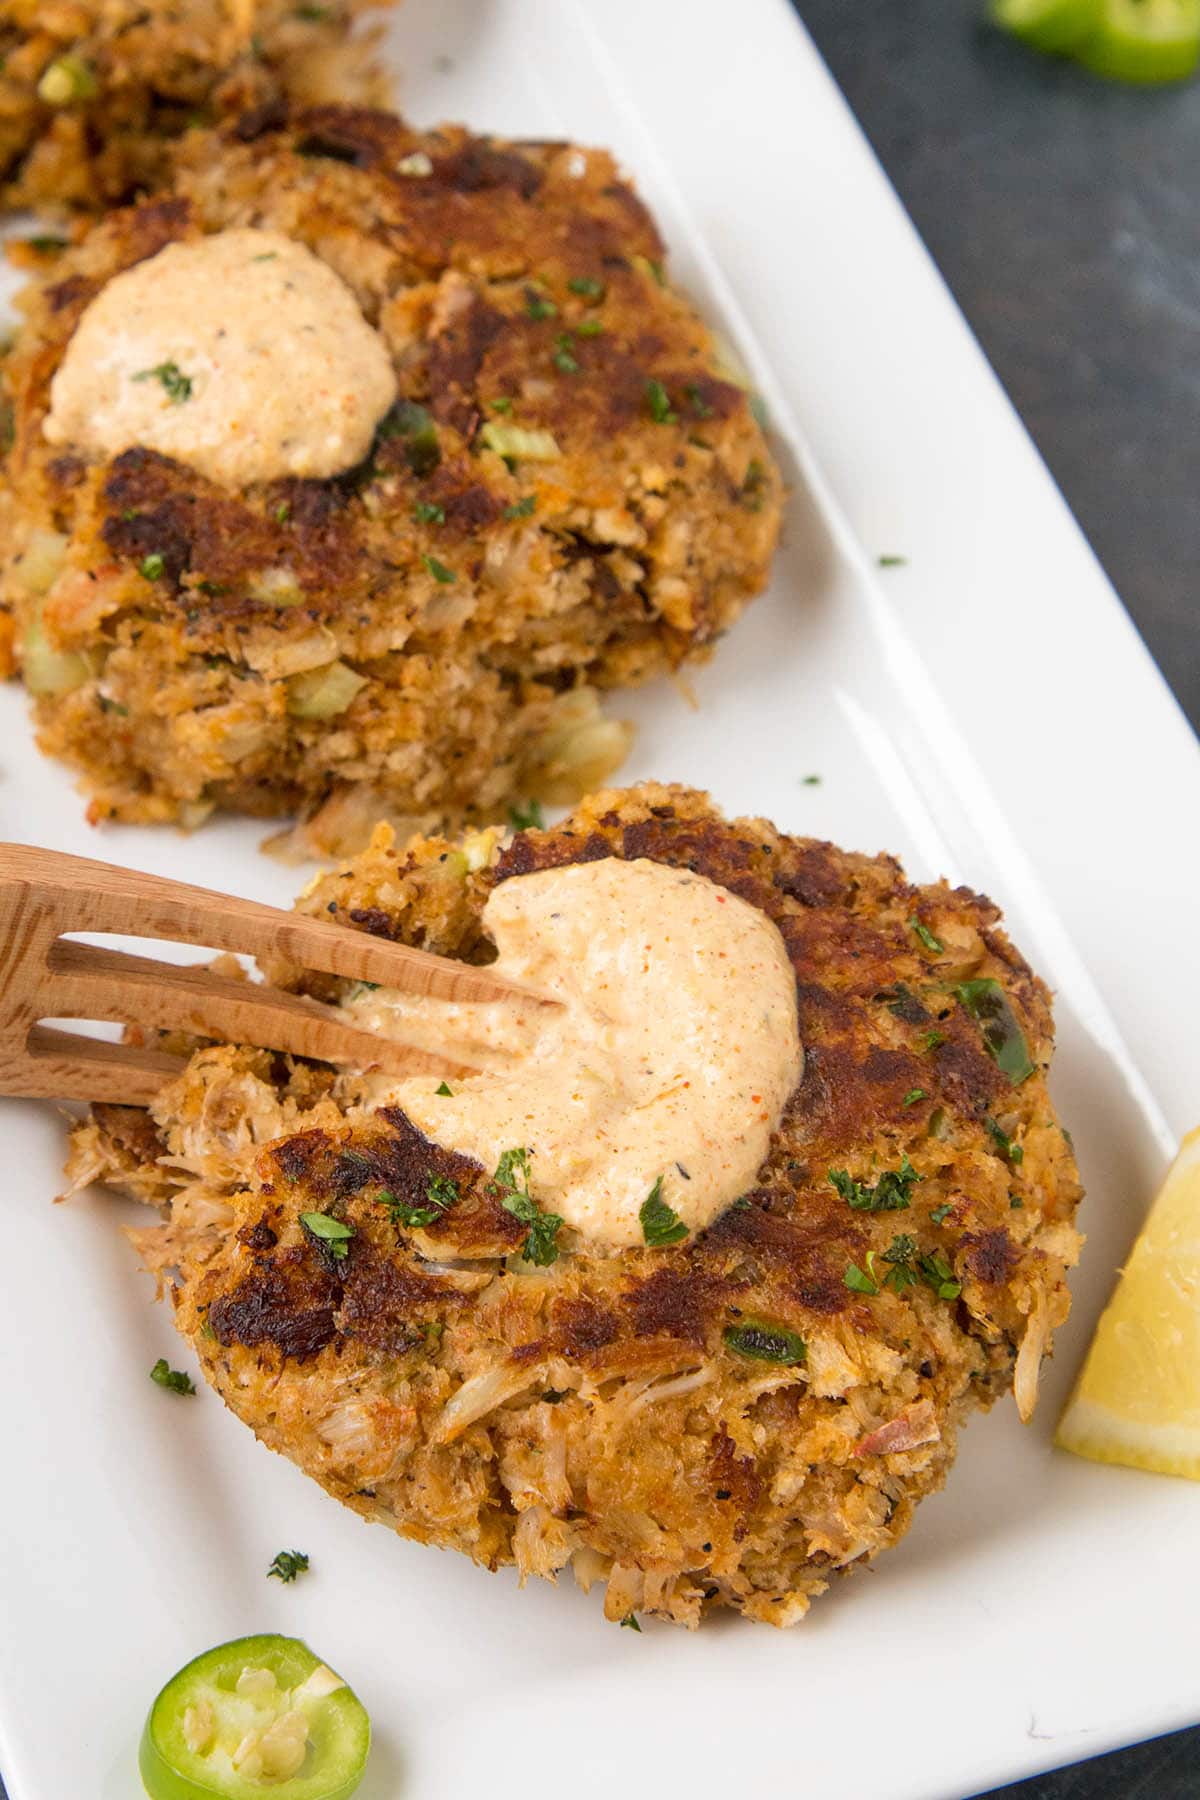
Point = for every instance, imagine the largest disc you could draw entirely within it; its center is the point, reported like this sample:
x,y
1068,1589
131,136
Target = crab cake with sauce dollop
x,y
715,1388
345,476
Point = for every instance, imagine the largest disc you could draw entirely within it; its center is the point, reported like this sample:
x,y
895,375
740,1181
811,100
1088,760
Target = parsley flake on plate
x,y
287,1564
173,1379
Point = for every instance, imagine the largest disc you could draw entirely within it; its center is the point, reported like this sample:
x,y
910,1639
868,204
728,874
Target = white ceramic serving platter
x,y
987,712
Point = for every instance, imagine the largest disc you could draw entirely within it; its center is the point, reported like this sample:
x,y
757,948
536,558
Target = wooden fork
x,y
44,975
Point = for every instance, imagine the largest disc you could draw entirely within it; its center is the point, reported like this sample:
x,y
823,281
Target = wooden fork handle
x,y
81,895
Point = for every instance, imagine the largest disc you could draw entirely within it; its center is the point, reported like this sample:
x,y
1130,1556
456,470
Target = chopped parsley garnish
x,y
810,781
913,1095
862,1281
588,286
650,267
939,1213
892,562
334,1233
439,571
174,1379
152,566
930,1040
47,245
441,1193
891,1193
630,1622
528,817
695,399
177,385
523,508
900,1254
267,256
564,358
1015,1203
660,1223
283,512
987,1003
936,1272
659,402
427,512
503,404
287,1564
511,1182
765,1342
445,1091
315,15
539,306
758,411
926,936
587,328
1014,1152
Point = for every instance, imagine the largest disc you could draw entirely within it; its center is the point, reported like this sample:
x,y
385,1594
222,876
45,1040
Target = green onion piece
x,y
323,693
926,936
660,1223
426,512
987,1003
765,1342
630,1622
67,80
913,1095
517,444
588,286
523,508
439,571
539,306
151,566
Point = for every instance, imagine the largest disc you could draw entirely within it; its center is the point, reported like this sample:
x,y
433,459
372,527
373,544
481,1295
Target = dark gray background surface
x,y
1065,214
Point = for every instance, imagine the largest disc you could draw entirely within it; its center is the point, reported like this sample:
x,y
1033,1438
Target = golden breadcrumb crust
x,y
481,586
602,1413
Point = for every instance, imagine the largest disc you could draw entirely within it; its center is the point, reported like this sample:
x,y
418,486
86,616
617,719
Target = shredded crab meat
x,y
1029,1359
479,1395
907,1431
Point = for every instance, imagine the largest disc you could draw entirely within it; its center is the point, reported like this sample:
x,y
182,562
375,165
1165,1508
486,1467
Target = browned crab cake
x,y
730,1417
567,494
93,91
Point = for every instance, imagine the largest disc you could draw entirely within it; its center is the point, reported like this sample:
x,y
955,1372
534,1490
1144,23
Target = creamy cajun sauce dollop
x,y
672,1053
241,354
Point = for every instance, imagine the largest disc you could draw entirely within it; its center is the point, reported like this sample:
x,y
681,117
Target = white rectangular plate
x,y
986,712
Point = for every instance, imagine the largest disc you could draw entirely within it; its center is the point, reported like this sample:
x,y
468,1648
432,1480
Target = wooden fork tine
x,y
95,896
64,1065
90,982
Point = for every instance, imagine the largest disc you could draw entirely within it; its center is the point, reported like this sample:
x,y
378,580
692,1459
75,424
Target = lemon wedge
x,y
1137,1400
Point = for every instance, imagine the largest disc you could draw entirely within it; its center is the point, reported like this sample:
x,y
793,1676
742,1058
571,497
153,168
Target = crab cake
x,y
92,91
265,563
722,1413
